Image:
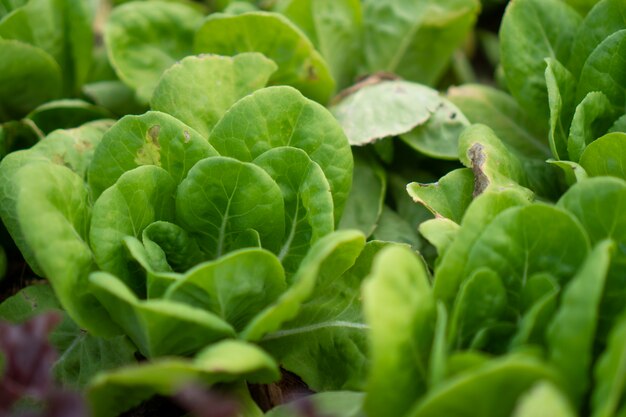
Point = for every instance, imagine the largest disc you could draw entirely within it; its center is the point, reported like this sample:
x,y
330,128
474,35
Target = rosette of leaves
x,y
319,46
180,240
558,59
522,317
564,107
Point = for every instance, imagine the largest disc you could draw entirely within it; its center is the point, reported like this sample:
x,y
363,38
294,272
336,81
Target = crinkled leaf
x,y
153,138
281,116
235,287
218,82
531,31
158,327
222,200
400,310
144,39
299,64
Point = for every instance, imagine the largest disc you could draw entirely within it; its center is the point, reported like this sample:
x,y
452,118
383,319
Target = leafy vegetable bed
x,y
374,208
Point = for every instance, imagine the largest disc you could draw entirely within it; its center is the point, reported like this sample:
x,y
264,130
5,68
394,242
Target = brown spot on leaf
x,y
153,134
83,146
187,136
478,159
58,159
311,73
150,152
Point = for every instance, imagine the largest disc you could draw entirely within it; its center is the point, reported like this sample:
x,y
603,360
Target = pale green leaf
x,y
281,116
299,64
199,89
223,202
414,39
158,327
144,39
531,31
235,287
400,310
153,138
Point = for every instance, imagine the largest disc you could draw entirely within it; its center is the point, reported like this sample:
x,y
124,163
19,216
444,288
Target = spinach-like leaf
x,y
24,69
222,200
138,198
299,64
606,156
155,326
531,31
219,83
335,28
236,287
281,116
400,309
489,390
414,39
144,39
153,138
571,347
